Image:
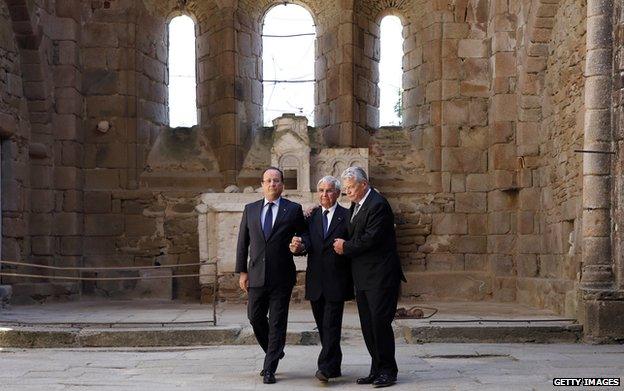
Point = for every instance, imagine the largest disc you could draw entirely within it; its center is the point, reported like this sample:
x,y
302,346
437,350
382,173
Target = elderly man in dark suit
x,y
266,229
328,275
377,272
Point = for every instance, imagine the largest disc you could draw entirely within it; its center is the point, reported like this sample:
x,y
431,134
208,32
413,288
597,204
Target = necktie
x,y
355,210
325,223
268,221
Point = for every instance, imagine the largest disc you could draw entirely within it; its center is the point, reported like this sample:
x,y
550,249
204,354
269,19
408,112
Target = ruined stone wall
x,y
14,135
549,271
435,169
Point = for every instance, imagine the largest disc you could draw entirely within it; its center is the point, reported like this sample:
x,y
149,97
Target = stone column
x,y
597,270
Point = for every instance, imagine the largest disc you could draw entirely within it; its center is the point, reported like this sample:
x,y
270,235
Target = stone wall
x,y
550,215
482,175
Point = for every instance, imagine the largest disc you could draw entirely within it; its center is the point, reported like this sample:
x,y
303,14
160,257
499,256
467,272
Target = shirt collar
x,y
276,202
365,195
332,209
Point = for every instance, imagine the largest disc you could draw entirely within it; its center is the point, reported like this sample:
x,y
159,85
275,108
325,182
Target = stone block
x,y
40,177
62,29
43,245
472,48
477,182
529,244
455,112
475,262
450,224
504,64
14,227
529,199
104,225
445,262
137,225
501,244
463,160
499,223
41,200
66,127
71,245
448,285
504,108
469,244
470,202
68,224
66,178
156,284
526,222
72,201
97,202
98,178
40,224
477,224
99,35
501,265
111,155
499,200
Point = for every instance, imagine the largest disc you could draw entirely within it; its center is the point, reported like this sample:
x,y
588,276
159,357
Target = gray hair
x,y
330,180
356,173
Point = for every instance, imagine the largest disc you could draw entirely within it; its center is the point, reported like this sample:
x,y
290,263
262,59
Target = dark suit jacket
x,y
270,261
327,273
372,245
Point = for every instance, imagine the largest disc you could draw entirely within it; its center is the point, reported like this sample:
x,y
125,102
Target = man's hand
x,y
308,212
339,246
296,245
243,282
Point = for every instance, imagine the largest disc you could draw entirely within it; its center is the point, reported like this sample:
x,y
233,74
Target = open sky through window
x,y
182,79
287,55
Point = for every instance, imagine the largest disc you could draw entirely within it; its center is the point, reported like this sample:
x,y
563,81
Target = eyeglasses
x,y
272,181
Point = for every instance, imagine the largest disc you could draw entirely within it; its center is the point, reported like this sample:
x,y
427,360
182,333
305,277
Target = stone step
x,y
74,337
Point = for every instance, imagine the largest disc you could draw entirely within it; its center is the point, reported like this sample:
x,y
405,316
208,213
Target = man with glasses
x,y
266,266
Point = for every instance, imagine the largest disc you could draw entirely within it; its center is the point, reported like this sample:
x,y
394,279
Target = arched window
x,y
288,36
182,78
391,71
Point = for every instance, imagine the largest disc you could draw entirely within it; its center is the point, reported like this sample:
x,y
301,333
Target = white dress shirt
x,y
329,215
274,209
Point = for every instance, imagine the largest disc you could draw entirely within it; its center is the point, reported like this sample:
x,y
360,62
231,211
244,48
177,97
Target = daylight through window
x,y
391,72
288,36
182,79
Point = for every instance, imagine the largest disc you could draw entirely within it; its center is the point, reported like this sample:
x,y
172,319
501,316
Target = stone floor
x,y
422,367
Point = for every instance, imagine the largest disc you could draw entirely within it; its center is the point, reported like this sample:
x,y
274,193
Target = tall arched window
x,y
182,78
391,71
288,36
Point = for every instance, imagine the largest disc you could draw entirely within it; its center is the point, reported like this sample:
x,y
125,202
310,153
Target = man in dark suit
x,y
328,275
266,229
376,270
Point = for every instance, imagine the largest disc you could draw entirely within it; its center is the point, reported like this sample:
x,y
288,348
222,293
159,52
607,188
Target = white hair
x,y
330,180
356,173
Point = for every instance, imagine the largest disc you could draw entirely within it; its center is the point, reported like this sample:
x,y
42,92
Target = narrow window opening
x,y
182,73
391,72
288,37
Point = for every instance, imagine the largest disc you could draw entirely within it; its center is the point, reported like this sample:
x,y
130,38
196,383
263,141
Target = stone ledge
x,y
42,337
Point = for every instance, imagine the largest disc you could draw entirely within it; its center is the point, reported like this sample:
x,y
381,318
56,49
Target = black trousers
x,y
376,308
270,331
328,317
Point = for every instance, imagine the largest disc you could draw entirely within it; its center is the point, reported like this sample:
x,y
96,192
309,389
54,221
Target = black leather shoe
x,y
322,376
366,380
384,380
280,357
269,377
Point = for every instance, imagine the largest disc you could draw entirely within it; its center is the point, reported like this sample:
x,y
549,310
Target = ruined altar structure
x,y
219,214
